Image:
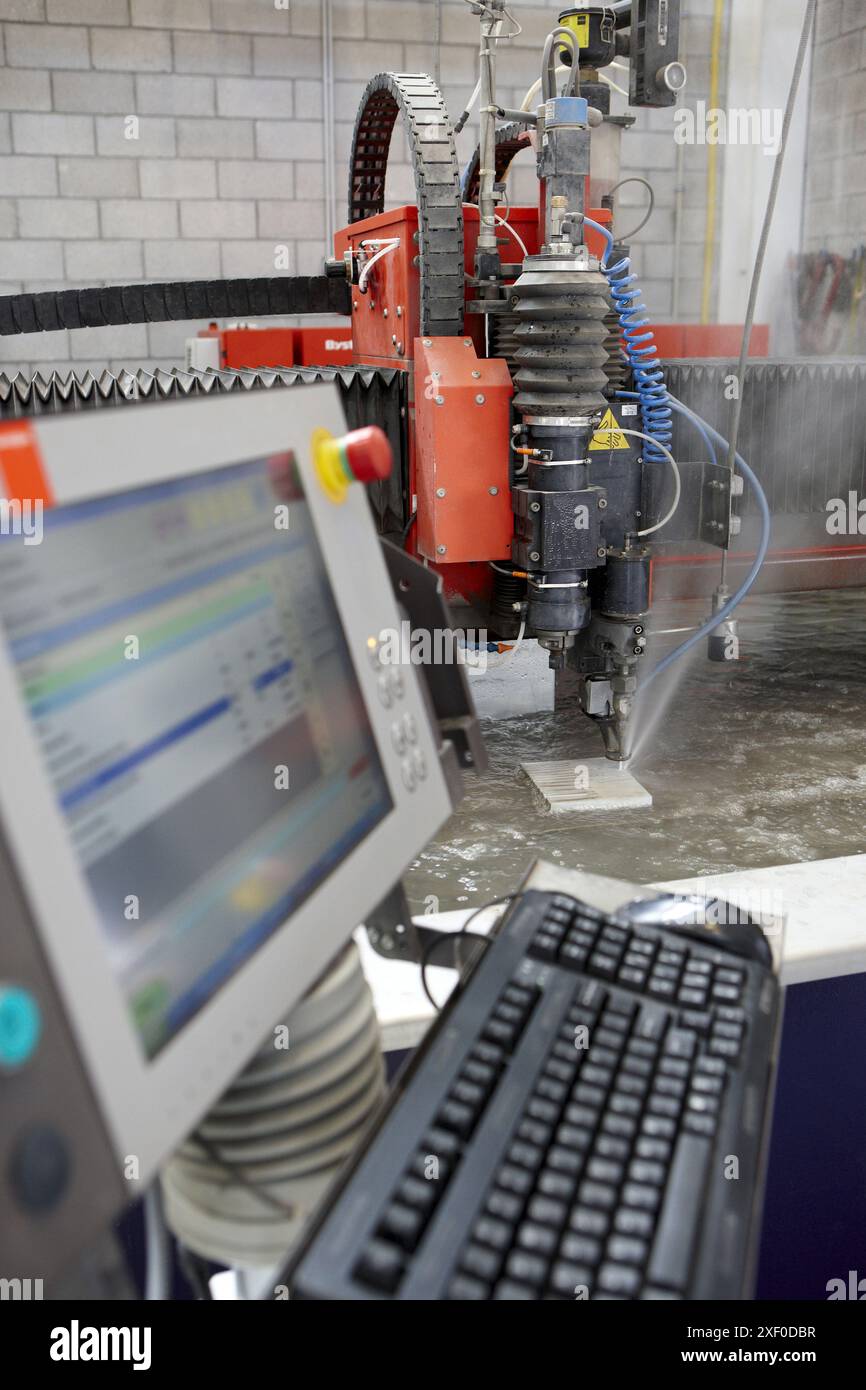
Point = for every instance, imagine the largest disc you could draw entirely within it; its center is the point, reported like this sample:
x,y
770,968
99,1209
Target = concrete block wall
x,y
835,211
170,139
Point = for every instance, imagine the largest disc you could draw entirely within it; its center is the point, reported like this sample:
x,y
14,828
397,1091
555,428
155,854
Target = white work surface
x,y
824,903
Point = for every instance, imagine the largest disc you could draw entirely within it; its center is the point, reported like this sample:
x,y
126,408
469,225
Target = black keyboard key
x,y
697,1020
629,975
662,989
658,1127
463,1288
381,1265
573,956
583,1116
674,1066
560,1071
607,1146
503,1034
543,1110
732,1031
584,1094
479,1074
562,1160
605,1170
589,1221
652,1023
629,1221
703,1125
577,1137
707,1085
594,1075
488,1052
481,1262
509,1290
534,1132
560,1186
619,1279
621,1126
522,995
597,1194
726,994
657,1150
546,1211
629,1106
403,1225
440,1143
537,1240
460,1119
523,1155
627,1250
681,1043
645,1170
581,1250
720,1047
505,1206
590,995
710,1066
526,1269
544,946
468,1093
691,997
570,1281
549,1089
671,1259
489,1231
516,1180
664,1105
509,1013
641,1195
419,1193
604,965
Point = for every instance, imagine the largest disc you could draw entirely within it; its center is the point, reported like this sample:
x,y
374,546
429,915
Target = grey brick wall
x,y
835,211
228,155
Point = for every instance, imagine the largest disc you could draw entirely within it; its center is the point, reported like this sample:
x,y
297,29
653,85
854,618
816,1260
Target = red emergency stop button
x,y
362,456
368,454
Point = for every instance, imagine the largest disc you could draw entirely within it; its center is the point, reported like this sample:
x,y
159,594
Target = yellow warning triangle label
x,y
609,435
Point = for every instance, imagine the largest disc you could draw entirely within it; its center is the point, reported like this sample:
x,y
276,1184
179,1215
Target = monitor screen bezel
x,y
151,1105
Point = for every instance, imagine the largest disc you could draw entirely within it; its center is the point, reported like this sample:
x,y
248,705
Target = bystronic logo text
x,y
77,1343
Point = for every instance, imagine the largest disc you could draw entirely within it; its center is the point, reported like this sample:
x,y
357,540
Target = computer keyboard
x,y
587,1119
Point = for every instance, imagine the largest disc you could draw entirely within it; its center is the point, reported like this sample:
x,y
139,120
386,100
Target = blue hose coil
x,y
640,348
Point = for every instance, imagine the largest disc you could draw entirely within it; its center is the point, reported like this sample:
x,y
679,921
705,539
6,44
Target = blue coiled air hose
x,y
640,349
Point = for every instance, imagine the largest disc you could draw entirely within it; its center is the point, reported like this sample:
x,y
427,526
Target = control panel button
x,y
20,1027
40,1168
398,738
386,694
398,684
419,762
411,727
410,777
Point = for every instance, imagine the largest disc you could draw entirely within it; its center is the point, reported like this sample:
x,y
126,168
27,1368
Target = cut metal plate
x,y
591,785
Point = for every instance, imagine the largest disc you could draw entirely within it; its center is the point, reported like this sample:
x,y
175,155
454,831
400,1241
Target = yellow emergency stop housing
x,y
329,463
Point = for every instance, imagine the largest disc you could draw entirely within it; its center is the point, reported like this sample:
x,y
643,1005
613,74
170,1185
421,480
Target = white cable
x,y
508,227
673,463
526,104
384,248
508,654
610,82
